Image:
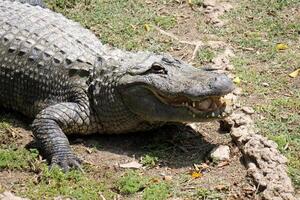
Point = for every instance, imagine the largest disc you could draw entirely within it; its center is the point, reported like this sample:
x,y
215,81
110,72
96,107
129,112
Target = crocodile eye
x,y
158,69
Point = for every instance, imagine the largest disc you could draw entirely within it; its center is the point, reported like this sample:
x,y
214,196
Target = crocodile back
x,y
42,55
32,2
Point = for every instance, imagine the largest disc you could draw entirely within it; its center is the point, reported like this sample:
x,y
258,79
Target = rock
x,y
248,110
267,167
265,84
239,134
220,153
241,119
10,196
131,165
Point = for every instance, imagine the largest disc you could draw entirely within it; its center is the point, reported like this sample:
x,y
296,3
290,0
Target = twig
x,y
197,44
101,195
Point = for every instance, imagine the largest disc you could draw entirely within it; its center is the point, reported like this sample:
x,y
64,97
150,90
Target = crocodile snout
x,y
222,84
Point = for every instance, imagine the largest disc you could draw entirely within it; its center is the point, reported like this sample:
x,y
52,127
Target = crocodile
x,y
57,73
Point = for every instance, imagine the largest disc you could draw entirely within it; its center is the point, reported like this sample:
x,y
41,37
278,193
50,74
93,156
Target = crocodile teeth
x,y
194,104
194,115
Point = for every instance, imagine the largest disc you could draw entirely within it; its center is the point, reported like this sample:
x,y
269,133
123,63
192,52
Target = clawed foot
x,y
66,162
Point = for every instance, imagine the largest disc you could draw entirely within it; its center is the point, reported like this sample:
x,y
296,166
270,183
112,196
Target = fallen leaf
x,y
131,165
147,27
237,80
196,174
190,2
295,73
281,46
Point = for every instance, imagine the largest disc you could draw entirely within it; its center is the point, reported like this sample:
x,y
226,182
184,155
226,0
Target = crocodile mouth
x,y
214,105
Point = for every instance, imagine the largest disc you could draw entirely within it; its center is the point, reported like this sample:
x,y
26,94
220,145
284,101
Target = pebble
x,y
265,84
248,110
220,153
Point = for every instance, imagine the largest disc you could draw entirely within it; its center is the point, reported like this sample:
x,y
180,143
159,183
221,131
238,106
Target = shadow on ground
x,y
175,146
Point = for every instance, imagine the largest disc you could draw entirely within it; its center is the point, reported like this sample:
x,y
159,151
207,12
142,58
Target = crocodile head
x,y
161,88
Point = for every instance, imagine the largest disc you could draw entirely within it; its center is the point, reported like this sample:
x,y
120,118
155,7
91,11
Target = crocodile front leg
x,y
50,126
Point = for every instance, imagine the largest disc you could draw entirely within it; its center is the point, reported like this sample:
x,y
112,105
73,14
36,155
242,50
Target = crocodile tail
x,y
33,2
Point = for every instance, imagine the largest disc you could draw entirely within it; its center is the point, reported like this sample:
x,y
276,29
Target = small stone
x,y
239,134
265,84
220,153
248,110
131,165
242,119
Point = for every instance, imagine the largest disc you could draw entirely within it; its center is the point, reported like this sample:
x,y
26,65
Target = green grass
x,y
120,23
20,159
49,184
73,184
131,183
159,191
149,160
206,194
205,55
254,29
165,22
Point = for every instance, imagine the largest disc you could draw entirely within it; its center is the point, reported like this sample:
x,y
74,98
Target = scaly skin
x,y
32,2
59,74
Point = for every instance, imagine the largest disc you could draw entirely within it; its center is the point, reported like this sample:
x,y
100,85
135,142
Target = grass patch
x,y
254,29
149,160
205,55
165,22
205,194
72,184
19,159
158,191
120,23
131,183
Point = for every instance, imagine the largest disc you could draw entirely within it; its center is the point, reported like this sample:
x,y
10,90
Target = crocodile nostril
x,y
222,84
